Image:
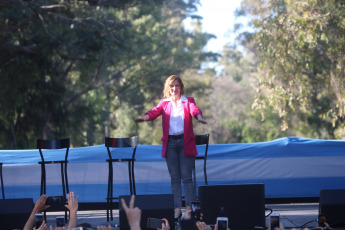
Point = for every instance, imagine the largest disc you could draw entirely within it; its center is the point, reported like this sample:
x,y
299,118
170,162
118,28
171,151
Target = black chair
x,y
201,140
50,145
120,143
2,182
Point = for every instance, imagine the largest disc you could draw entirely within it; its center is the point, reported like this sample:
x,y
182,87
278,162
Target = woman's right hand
x,y
146,117
138,120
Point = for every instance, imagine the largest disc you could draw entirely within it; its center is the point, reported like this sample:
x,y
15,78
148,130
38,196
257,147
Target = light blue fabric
x,y
289,167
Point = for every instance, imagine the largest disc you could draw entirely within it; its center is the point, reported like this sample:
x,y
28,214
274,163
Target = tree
x,y
70,68
301,48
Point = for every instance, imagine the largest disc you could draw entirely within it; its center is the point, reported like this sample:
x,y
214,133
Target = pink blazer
x,y
190,110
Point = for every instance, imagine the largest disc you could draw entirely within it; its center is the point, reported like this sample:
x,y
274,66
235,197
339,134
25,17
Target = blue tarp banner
x,y
289,167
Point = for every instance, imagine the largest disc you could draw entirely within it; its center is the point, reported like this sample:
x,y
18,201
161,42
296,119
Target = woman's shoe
x,y
177,214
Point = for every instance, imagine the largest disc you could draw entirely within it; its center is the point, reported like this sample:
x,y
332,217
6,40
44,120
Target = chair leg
x,y
205,173
2,183
67,188
63,185
42,180
133,180
110,193
66,178
43,187
63,180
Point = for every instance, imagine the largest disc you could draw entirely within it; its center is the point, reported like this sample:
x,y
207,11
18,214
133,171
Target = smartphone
x,y
196,211
56,201
222,223
38,220
154,223
322,220
60,221
275,220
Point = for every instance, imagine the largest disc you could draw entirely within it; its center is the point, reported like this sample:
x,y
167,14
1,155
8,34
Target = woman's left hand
x,y
201,119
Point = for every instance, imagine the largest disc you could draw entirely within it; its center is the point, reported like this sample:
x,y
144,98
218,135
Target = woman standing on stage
x,y
178,139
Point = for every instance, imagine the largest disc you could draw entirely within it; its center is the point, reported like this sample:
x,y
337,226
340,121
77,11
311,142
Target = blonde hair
x,y
168,82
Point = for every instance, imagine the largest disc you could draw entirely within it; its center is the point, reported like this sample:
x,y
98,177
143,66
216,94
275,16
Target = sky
x,y
218,19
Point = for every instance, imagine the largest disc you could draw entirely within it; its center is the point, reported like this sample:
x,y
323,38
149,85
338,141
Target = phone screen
x,y
60,221
274,221
222,224
154,223
196,211
55,201
322,220
38,220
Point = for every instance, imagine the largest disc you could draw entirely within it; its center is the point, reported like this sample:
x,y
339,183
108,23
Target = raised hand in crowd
x,y
42,227
188,214
297,228
133,213
109,227
203,226
40,206
322,228
58,228
165,225
72,206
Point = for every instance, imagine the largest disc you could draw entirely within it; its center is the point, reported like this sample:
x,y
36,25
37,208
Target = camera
x,y
38,220
154,223
56,201
275,220
196,211
60,221
222,223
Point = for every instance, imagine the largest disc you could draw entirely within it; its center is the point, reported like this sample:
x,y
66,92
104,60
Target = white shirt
x,y
176,124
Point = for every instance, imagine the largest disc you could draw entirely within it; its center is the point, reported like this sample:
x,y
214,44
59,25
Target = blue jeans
x,y
180,167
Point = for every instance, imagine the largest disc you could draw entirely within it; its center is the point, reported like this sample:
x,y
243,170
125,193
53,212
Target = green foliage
x,y
76,68
301,53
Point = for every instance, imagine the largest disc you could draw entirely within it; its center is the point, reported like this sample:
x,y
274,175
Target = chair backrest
x,y
53,144
112,142
202,139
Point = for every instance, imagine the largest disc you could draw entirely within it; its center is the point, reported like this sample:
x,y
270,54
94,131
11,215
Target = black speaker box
x,y
152,206
15,212
243,204
332,206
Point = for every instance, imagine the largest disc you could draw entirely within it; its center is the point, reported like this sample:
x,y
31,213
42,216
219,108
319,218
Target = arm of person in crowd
x,y
146,117
201,119
73,209
40,206
133,214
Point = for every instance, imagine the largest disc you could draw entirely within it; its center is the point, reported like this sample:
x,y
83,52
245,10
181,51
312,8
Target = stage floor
x,y
292,216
